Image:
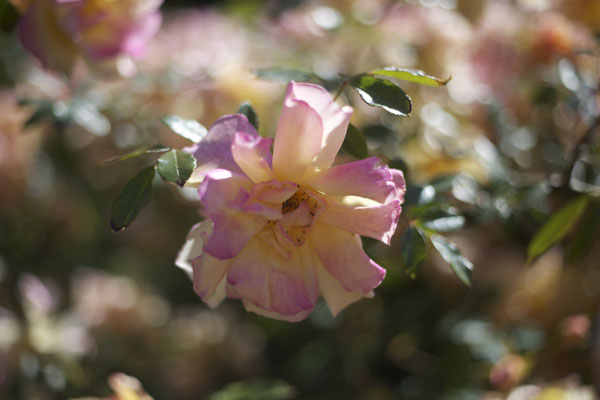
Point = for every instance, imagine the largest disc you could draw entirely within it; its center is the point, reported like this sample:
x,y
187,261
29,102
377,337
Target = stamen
x,y
294,202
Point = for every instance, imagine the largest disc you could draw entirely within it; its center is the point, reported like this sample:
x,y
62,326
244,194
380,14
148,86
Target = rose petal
x,y
260,276
220,189
193,246
275,315
214,151
310,132
218,295
293,227
253,155
298,138
342,255
273,191
369,178
247,204
377,221
399,182
335,296
209,272
232,231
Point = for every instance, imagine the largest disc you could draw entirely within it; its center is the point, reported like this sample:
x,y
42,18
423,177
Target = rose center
x,y
297,198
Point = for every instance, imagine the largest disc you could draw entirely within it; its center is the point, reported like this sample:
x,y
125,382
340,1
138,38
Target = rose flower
x,y
282,228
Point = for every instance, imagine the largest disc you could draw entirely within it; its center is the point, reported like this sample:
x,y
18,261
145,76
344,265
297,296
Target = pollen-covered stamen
x,y
297,198
293,202
298,213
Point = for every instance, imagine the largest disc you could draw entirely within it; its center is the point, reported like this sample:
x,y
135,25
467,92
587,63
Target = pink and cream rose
x,y
284,228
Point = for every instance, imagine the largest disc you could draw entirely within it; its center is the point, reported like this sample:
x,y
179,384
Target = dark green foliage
x,y
176,166
189,129
247,110
354,143
135,196
382,93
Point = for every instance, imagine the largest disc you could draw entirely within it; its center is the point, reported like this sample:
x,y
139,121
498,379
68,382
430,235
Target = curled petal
x,y
253,155
399,182
334,294
214,151
301,315
218,295
342,255
377,221
369,178
273,191
209,277
193,245
244,202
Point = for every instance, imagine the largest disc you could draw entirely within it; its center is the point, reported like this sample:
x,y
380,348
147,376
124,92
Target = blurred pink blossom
x,y
58,31
284,227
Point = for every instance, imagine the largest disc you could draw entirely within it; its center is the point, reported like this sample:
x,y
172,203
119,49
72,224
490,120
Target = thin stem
x,y
340,90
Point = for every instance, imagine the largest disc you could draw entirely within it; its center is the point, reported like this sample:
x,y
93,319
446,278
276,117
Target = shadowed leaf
x,y
137,153
557,227
176,166
189,129
445,224
413,249
135,196
382,93
354,143
247,110
586,235
284,75
461,266
411,75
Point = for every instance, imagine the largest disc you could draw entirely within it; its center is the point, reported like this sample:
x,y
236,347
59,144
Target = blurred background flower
x,y
57,32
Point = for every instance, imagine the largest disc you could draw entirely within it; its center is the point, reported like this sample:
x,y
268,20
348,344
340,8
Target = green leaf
x,y
445,224
354,143
135,196
413,249
557,227
247,110
284,75
382,93
586,235
189,129
411,75
9,16
398,163
431,211
144,151
461,266
176,166
256,390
